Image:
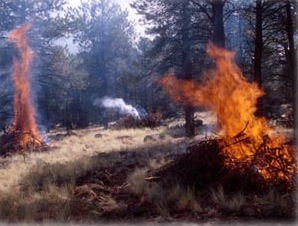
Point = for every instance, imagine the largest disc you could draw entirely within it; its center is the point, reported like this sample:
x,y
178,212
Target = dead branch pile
x,y
151,120
205,166
20,142
268,167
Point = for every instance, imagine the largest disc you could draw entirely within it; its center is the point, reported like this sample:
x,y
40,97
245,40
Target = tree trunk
x,y
258,52
103,68
187,69
68,118
218,34
189,121
292,70
291,47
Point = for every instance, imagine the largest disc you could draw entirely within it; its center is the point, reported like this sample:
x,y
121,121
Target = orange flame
x,y
24,111
233,99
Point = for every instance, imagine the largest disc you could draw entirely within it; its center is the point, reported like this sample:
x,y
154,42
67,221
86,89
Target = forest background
x,y
112,60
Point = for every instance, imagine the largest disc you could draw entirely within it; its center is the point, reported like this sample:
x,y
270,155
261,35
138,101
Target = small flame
x,y
233,99
24,111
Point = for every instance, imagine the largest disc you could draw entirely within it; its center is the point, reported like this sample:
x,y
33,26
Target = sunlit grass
x,y
70,149
40,186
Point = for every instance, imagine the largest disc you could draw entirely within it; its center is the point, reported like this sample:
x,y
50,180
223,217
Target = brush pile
x,y
152,120
207,165
21,142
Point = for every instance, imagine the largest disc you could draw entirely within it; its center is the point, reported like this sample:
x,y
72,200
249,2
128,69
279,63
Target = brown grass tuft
x,y
137,181
229,204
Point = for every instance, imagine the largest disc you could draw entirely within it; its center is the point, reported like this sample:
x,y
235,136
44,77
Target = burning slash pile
x,y
247,154
151,120
22,135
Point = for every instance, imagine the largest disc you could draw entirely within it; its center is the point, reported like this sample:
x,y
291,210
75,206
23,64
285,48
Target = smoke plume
x,y
119,105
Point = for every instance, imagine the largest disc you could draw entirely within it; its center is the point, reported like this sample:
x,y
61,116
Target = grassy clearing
x,y
40,187
48,186
68,150
51,203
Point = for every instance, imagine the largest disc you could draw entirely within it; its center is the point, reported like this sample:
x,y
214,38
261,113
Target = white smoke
x,y
118,104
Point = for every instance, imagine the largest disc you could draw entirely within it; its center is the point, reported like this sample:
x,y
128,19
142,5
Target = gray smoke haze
x,y
119,105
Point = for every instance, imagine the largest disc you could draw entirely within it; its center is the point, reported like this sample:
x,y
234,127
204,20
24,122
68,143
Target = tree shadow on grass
x,y
91,188
97,189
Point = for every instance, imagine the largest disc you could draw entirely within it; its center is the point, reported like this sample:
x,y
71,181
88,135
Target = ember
x,y
246,141
22,134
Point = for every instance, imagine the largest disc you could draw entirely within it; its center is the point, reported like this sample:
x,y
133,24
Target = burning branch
x,y
233,99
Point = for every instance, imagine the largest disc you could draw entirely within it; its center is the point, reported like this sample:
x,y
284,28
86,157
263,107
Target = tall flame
x,y
24,112
225,91
233,99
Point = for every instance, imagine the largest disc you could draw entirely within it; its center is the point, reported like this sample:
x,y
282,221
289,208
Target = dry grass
x,y
184,199
70,150
167,201
52,203
40,186
231,203
170,201
137,181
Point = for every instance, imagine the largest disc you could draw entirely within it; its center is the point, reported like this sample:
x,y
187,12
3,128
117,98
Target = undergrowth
x,y
45,191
